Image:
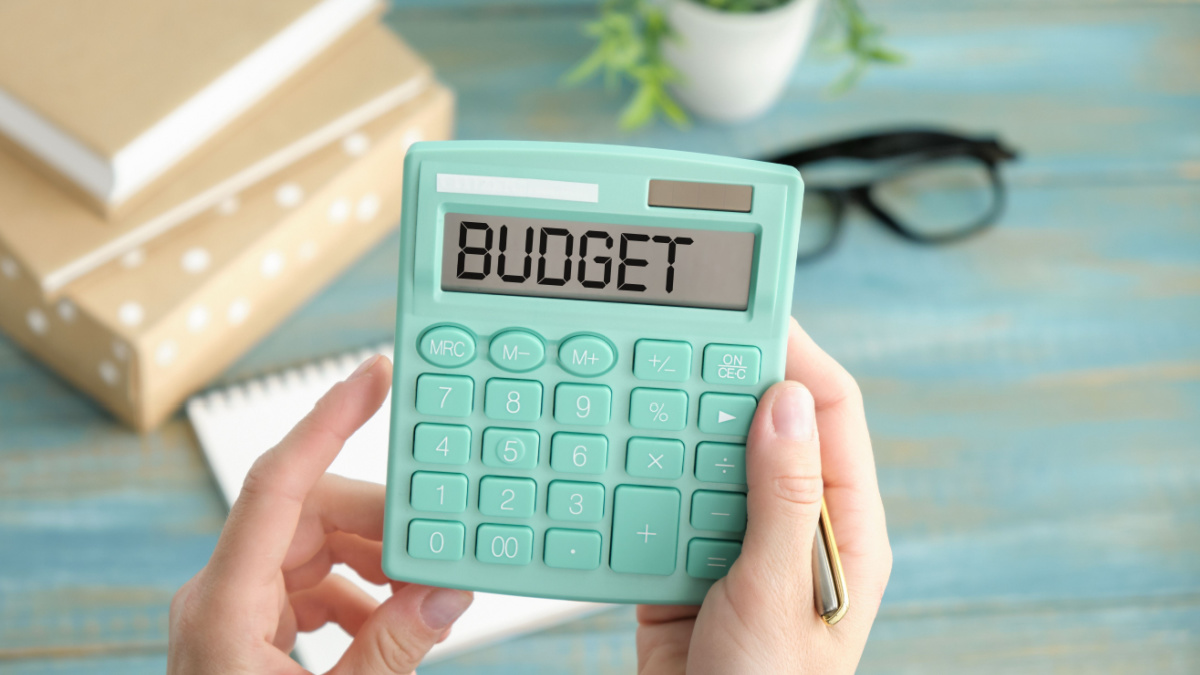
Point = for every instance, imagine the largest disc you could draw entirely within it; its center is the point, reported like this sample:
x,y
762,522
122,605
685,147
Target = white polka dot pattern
x,y
134,258
195,260
120,350
368,208
109,373
338,212
289,195
197,319
131,314
238,311
38,323
8,267
272,265
356,144
66,310
166,352
229,205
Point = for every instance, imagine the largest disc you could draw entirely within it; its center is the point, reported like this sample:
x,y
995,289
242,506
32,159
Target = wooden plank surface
x,y
1033,393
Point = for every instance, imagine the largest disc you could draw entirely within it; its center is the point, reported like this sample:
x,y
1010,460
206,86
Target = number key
x,y
510,497
515,400
442,443
435,491
579,502
579,453
436,539
510,448
582,404
445,395
504,544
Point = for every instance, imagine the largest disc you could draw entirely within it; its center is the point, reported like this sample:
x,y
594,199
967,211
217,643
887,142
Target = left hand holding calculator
x,y
583,336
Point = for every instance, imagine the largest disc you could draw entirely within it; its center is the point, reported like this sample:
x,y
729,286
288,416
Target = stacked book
x,y
177,177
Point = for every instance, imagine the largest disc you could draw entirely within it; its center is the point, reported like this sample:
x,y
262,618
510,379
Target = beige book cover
x,y
140,335
111,94
56,239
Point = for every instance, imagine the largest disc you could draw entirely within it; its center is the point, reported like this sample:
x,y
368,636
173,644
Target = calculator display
x,y
594,261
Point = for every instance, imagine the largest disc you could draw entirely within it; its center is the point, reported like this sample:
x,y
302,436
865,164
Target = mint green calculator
x,y
583,335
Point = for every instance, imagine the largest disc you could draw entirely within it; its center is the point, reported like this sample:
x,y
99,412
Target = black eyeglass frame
x,y
914,147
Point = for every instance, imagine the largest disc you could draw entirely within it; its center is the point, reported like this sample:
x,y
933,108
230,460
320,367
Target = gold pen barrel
x,y
829,583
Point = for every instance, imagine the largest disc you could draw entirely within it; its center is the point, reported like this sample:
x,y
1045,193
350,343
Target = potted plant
x,y
726,60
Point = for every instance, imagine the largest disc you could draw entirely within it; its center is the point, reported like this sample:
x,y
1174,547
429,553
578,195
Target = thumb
x,y
783,503
402,630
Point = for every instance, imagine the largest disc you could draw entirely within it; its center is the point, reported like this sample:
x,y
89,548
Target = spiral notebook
x,y
238,423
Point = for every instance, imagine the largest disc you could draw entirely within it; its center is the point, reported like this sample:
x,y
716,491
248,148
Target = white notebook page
x,y
237,424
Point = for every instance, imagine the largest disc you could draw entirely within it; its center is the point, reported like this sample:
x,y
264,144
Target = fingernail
x,y
363,367
793,414
443,606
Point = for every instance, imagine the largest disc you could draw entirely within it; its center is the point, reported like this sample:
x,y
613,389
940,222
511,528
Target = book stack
x,y
176,178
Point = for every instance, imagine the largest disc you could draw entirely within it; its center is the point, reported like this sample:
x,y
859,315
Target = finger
x,y
783,500
262,521
848,465
402,630
335,599
285,631
336,504
648,615
362,555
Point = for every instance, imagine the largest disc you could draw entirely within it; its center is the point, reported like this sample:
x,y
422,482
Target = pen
x,y
829,583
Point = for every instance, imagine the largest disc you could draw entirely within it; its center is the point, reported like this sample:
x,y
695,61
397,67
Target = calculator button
x,y
516,400
445,395
718,511
586,356
711,558
579,453
583,404
727,414
578,502
512,497
443,492
654,458
447,346
510,448
572,549
517,351
731,364
721,463
504,544
658,409
662,360
442,443
436,539
645,529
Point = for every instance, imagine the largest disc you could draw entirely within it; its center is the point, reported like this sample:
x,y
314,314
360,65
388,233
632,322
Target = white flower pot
x,y
735,66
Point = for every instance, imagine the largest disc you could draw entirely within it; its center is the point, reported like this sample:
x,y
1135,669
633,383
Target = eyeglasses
x,y
928,186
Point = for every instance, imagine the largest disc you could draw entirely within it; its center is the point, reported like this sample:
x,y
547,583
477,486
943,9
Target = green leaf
x,y
586,68
671,109
640,109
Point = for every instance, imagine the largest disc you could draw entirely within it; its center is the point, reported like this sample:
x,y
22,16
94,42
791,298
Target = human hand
x,y
809,438
269,575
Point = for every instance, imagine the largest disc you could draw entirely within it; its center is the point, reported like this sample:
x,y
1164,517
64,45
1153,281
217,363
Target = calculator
x,y
583,334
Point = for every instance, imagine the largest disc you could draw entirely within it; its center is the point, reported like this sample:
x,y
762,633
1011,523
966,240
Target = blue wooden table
x,y
1034,394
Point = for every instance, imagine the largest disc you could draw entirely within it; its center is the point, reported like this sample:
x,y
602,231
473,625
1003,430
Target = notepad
x,y
237,424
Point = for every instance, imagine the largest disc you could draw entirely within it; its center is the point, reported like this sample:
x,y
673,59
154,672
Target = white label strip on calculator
x,y
501,186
